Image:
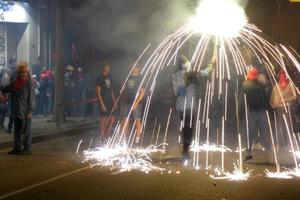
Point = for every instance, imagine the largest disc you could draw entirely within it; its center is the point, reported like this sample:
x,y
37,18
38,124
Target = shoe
x,y
26,152
14,152
248,158
8,131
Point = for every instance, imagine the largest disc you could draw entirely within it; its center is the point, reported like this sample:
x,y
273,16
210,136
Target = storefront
x,y
20,35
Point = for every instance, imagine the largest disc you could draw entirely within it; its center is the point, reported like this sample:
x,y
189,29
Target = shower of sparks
x,y
195,147
236,175
279,175
123,159
295,172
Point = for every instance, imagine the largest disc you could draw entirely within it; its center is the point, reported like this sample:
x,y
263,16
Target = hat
x,y
70,68
252,74
22,67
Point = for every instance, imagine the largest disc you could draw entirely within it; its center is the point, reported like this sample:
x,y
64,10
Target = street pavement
x,y
54,171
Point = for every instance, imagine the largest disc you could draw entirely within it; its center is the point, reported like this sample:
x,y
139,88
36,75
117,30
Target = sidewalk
x,y
44,126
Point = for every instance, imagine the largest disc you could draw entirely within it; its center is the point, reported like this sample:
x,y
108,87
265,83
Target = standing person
x,y
3,109
283,94
257,104
106,99
183,83
22,93
12,77
50,91
44,84
36,86
82,92
131,98
70,90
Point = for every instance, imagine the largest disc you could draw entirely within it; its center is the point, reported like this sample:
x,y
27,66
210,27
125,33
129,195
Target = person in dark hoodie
x,y
257,104
23,100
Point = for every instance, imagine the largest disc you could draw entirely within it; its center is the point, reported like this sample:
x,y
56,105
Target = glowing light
x,y
223,18
279,175
121,158
195,147
236,175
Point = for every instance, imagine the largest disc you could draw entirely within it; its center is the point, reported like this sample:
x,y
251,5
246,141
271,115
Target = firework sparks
x,y
279,175
236,175
195,147
123,159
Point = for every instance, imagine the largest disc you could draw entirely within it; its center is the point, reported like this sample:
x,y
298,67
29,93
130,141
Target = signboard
x,y
12,12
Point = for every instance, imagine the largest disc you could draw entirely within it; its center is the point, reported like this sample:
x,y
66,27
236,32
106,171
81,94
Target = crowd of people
x,y
267,108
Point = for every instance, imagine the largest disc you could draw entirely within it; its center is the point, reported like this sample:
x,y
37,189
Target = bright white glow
x,y
279,175
223,18
236,175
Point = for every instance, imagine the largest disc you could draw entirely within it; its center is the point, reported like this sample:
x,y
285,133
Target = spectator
x,y
50,91
106,99
3,109
82,92
22,93
44,84
70,90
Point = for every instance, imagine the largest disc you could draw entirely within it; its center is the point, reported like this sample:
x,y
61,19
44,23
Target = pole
x,y
59,64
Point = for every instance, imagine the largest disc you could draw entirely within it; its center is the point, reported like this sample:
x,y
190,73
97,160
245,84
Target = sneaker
x,y
248,158
14,152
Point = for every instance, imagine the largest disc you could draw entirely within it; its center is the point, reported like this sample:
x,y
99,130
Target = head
x,y
136,71
23,70
33,77
253,74
70,69
282,76
106,69
44,69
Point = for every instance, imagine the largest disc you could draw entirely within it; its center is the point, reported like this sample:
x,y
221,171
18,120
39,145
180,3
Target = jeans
x,y
187,133
258,122
22,127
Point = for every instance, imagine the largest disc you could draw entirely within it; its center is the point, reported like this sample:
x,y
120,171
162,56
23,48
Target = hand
x,y
135,106
103,108
29,115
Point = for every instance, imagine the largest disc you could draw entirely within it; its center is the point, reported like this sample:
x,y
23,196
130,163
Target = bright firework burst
x,y
279,175
121,158
236,175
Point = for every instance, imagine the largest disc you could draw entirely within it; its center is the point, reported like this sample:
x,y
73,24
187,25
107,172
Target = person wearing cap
x,y
106,99
23,104
183,84
70,90
283,96
257,105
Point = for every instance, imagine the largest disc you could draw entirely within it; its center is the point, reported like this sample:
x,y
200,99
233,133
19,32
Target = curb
x,y
55,134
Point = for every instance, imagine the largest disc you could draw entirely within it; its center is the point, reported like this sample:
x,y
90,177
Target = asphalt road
x,y
55,172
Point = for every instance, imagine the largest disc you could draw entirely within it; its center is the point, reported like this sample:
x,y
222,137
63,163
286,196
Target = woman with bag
x,y
283,100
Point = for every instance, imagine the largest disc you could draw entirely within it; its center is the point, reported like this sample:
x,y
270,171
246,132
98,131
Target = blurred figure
x,y
3,109
257,104
106,99
183,83
70,90
22,92
44,84
129,100
50,91
36,86
284,94
82,92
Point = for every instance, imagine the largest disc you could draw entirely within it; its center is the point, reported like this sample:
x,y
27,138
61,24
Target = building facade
x,y
24,33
